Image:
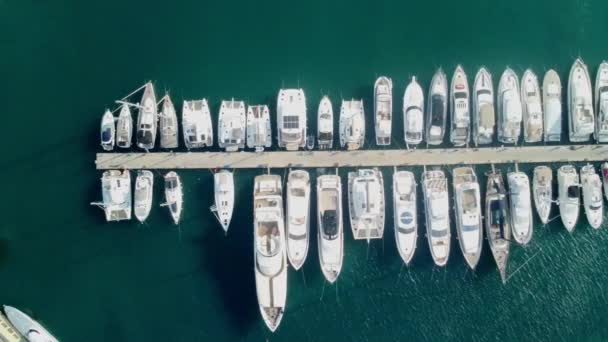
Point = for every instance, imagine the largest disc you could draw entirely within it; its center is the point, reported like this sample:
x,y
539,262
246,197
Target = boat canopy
x,y
329,221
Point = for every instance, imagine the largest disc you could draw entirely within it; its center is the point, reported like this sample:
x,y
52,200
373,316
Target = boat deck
x,y
358,158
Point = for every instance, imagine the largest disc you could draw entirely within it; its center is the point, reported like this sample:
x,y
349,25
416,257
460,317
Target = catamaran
x,y
483,108
467,212
269,251
291,119
144,189
259,131
108,131
147,119
605,178
298,217
28,327
366,204
223,193
498,224
196,124
569,195
552,99
404,212
168,124
383,110
437,108
413,109
352,124
601,103
436,207
231,125
116,195
173,196
460,111
521,207
542,188
325,124
509,108
330,237
124,127
592,196
532,108
580,103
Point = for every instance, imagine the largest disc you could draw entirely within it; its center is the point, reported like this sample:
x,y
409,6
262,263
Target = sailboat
x,y
532,108
168,124
437,108
223,194
173,196
498,224
144,186
521,207
383,110
28,327
483,108
330,237
509,108
124,127
580,104
592,196
259,131
196,124
601,103
460,110
325,124
542,188
116,195
366,203
413,109
352,124
569,196
291,119
298,217
147,119
436,208
467,212
231,125
552,100
108,131
405,212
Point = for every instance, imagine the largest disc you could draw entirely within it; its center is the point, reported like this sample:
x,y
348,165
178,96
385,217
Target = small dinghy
x,y
298,217
601,103
467,210
592,196
168,124
116,195
124,127
330,236
352,124
223,189
144,186
383,110
437,109
173,196
325,124
196,124
108,131
231,125
542,188
413,109
259,131
483,108
580,104
405,212
532,108
460,110
552,100
569,196
147,119
509,108
521,207
436,209
605,178
497,220
28,327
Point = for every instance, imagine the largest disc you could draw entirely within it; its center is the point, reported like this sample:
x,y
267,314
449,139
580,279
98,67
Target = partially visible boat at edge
x,y
601,103
27,326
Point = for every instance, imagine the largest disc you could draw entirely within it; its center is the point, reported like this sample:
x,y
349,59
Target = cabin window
x,y
291,122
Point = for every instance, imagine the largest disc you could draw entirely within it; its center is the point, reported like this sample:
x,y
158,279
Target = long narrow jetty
x,y
360,158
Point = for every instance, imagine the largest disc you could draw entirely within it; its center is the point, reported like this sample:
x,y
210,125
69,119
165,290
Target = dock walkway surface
x,y
359,158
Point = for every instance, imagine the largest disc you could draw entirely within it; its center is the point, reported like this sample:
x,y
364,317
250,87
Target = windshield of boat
x,y
439,232
460,95
469,228
574,191
329,221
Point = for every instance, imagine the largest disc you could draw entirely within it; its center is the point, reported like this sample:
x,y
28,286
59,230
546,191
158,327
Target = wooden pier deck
x,y
360,158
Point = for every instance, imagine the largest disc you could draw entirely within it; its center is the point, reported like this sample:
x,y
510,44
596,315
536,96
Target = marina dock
x,y
359,158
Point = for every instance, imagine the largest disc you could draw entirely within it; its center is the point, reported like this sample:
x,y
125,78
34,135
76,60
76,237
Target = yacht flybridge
x,y
483,108
231,125
437,109
498,221
352,124
223,191
405,212
521,207
366,204
532,108
509,108
383,110
580,104
569,196
592,196
168,124
460,111
196,122
108,131
124,127
330,236
291,119
436,208
413,109
552,100
467,212
116,195
298,217
601,103
147,119
542,187
259,131
325,124
270,252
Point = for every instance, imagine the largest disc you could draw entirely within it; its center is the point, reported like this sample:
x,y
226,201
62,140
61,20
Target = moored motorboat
x,y
569,195
405,212
291,119
580,104
483,108
298,217
142,198
173,195
509,108
108,131
196,124
531,106
259,131
231,125
601,103
521,207
413,109
223,193
325,124
467,213
592,196
552,100
168,124
329,220
436,208
460,109
437,109
147,118
124,127
27,326
498,221
542,188
8,333
366,204
383,110
116,195
352,124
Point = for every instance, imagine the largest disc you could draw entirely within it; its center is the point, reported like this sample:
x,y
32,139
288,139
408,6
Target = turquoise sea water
x,y
62,63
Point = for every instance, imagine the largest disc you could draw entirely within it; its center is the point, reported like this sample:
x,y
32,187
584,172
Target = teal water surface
x,y
63,62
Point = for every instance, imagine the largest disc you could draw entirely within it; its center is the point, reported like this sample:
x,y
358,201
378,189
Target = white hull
x,y
291,119
467,213
366,204
28,327
483,108
231,125
580,104
436,208
352,124
116,195
552,100
460,108
223,186
330,237
437,109
298,217
497,222
173,196
405,214
259,131
413,113
144,186
601,103
383,110
325,124
521,207
124,127
605,179
196,124
509,108
569,196
542,188
592,196
168,124
107,131
532,107
147,119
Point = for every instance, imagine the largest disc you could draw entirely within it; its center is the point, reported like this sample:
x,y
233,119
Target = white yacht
x,y
552,100
116,195
601,103
269,250
330,227
291,119
437,109
605,178
147,119
383,110
436,207
521,207
124,127
467,212
509,108
498,224
580,103
298,217
483,108
532,108
352,124
231,125
542,188
325,124
413,109
259,131
460,111
196,124
168,124
144,189
8,333
592,196
223,193
366,203
108,131
173,196
569,195
28,327
405,214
